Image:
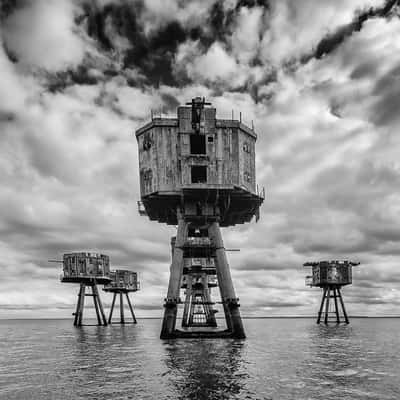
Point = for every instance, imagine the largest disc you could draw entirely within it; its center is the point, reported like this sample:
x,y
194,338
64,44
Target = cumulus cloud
x,y
246,37
213,66
42,34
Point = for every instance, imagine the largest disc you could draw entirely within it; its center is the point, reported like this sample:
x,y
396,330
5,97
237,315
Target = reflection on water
x,y
206,369
282,359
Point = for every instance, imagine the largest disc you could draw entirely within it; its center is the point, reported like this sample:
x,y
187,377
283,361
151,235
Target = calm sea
x,y
280,359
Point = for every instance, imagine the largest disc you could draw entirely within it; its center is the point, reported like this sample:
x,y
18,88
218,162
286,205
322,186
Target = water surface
x,y
280,359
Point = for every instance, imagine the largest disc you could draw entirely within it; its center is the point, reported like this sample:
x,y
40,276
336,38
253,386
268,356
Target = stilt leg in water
x,y
174,286
82,305
321,307
186,309
228,296
78,304
328,293
103,316
121,308
96,306
343,308
112,307
336,306
131,308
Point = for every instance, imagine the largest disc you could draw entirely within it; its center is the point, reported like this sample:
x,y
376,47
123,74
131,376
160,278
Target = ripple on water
x,y
280,360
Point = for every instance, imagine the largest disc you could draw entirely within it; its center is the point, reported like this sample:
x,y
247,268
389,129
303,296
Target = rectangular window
x,y
197,144
199,174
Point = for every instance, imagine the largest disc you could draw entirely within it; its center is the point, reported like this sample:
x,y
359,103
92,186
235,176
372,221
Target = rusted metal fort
x,y
331,276
90,270
122,283
198,172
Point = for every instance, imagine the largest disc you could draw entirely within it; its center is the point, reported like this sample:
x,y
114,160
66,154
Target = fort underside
x,y
235,205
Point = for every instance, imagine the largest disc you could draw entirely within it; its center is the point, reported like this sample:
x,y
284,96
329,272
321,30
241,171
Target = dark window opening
x,y
210,139
197,144
199,174
147,142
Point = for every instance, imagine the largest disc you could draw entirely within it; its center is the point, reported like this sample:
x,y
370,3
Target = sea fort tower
x,y
331,276
198,172
122,283
89,270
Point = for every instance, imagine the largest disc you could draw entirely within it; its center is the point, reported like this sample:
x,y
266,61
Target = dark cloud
x,y
152,54
7,7
82,75
384,111
7,116
253,3
365,69
332,41
170,102
220,24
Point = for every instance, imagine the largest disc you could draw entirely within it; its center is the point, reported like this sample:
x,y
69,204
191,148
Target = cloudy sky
x,y
320,80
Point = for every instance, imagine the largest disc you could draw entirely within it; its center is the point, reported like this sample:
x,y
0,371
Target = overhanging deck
x,y
89,280
236,204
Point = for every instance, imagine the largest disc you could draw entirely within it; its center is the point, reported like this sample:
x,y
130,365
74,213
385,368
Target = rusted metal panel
x,y
234,162
123,279
246,161
184,119
148,145
85,265
209,120
227,151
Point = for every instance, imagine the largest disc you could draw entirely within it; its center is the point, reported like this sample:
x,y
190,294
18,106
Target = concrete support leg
x,y
78,304
228,296
96,306
82,305
112,307
172,300
335,296
121,308
191,311
103,316
321,306
131,308
188,301
346,319
328,295
186,308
